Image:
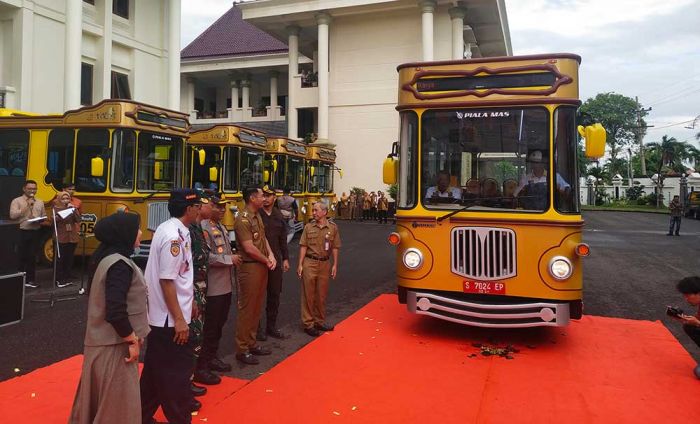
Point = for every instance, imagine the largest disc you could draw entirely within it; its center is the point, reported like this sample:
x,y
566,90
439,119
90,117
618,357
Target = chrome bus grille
x,y
483,253
157,214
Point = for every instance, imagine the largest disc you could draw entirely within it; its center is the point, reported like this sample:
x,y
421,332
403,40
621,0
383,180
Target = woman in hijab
x,y
116,326
67,232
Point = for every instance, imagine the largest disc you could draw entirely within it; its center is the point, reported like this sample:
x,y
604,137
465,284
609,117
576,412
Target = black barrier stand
x,y
53,297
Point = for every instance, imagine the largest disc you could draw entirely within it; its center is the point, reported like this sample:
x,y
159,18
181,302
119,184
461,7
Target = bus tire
x,y
46,249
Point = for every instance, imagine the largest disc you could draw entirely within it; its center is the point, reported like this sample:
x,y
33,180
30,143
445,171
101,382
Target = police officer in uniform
x,y
222,261
276,234
252,276
167,366
319,242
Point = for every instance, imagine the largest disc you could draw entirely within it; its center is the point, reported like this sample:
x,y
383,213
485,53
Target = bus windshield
x,y
251,168
487,159
322,180
159,162
294,174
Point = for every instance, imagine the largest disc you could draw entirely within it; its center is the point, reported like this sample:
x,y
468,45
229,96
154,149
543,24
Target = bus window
x,y
231,169
123,146
59,159
251,168
294,174
275,175
91,143
566,198
408,146
322,180
13,152
200,173
470,155
159,162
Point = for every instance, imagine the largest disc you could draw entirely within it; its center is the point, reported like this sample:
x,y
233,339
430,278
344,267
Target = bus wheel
x,y
46,256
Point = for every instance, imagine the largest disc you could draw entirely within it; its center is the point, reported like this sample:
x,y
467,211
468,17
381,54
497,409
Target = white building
x,y
58,54
329,68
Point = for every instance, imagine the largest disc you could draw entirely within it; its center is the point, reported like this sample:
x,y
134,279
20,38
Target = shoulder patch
x,y
174,247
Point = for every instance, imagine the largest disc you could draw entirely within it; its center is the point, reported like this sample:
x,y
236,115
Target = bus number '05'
x,y
87,227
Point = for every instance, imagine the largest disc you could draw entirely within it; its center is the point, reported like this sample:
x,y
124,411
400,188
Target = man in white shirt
x,y
442,192
536,182
169,358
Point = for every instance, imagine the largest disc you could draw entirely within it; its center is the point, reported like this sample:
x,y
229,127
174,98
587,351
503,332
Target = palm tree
x,y
669,155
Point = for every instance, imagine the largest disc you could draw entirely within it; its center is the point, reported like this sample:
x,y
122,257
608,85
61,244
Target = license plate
x,y
484,287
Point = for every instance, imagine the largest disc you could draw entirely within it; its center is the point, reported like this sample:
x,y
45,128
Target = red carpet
x,y
384,365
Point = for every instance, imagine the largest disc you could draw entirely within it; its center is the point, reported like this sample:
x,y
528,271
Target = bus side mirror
x,y
312,171
213,174
595,137
97,167
202,156
274,165
157,170
389,170
340,172
266,176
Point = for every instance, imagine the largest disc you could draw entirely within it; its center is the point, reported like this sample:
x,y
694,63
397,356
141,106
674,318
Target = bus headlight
x,y
412,258
560,267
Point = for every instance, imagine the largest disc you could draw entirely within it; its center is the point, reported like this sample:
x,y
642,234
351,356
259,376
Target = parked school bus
x,y
226,158
319,183
121,155
286,164
488,218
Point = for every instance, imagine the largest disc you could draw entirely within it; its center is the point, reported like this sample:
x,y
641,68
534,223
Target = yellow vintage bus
x,y
319,184
488,218
232,160
286,164
120,154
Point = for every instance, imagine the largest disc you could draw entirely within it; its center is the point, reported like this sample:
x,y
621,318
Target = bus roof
x,y
323,152
287,146
110,113
229,134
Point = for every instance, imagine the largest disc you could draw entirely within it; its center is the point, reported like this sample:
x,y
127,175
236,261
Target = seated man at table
x,y
442,192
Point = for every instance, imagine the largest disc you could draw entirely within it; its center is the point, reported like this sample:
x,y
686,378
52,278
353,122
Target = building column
x,y
245,98
427,10
234,100
457,15
292,116
104,72
174,54
323,20
189,101
73,42
274,113
23,65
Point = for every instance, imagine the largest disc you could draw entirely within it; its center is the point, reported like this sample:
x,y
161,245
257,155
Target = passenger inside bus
x,y
490,194
532,190
442,192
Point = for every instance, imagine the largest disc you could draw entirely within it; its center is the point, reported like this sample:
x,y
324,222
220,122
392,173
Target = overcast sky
x,y
644,48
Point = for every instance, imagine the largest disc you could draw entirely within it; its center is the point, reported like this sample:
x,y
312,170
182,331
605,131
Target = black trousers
x,y
272,307
675,221
382,216
373,213
165,380
693,332
65,262
28,250
215,316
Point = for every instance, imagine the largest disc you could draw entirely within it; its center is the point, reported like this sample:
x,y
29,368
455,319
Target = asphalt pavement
x,y
631,273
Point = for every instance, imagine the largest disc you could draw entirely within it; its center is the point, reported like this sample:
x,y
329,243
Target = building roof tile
x,y
230,35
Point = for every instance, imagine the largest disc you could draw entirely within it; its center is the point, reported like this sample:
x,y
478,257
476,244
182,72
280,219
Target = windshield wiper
x,y
454,212
149,195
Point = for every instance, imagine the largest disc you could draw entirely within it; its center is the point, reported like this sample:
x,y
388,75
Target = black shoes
x,y
260,351
217,364
324,327
274,332
195,405
207,377
247,358
62,284
261,337
313,332
198,390
31,285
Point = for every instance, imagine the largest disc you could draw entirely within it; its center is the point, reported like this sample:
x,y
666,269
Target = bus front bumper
x,y
493,315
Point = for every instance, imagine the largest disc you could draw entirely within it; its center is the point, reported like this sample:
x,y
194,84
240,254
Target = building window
x,y
85,84
121,8
120,86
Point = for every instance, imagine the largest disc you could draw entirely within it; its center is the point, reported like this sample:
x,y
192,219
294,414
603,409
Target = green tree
x,y
618,115
669,154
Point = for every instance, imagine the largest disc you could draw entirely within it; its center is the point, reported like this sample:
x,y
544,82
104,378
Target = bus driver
x,y
442,192
534,183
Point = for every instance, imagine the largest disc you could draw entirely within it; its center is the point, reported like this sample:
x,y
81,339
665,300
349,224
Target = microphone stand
x,y
53,297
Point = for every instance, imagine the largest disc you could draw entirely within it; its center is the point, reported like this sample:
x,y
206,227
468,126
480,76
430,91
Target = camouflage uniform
x,y
200,261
